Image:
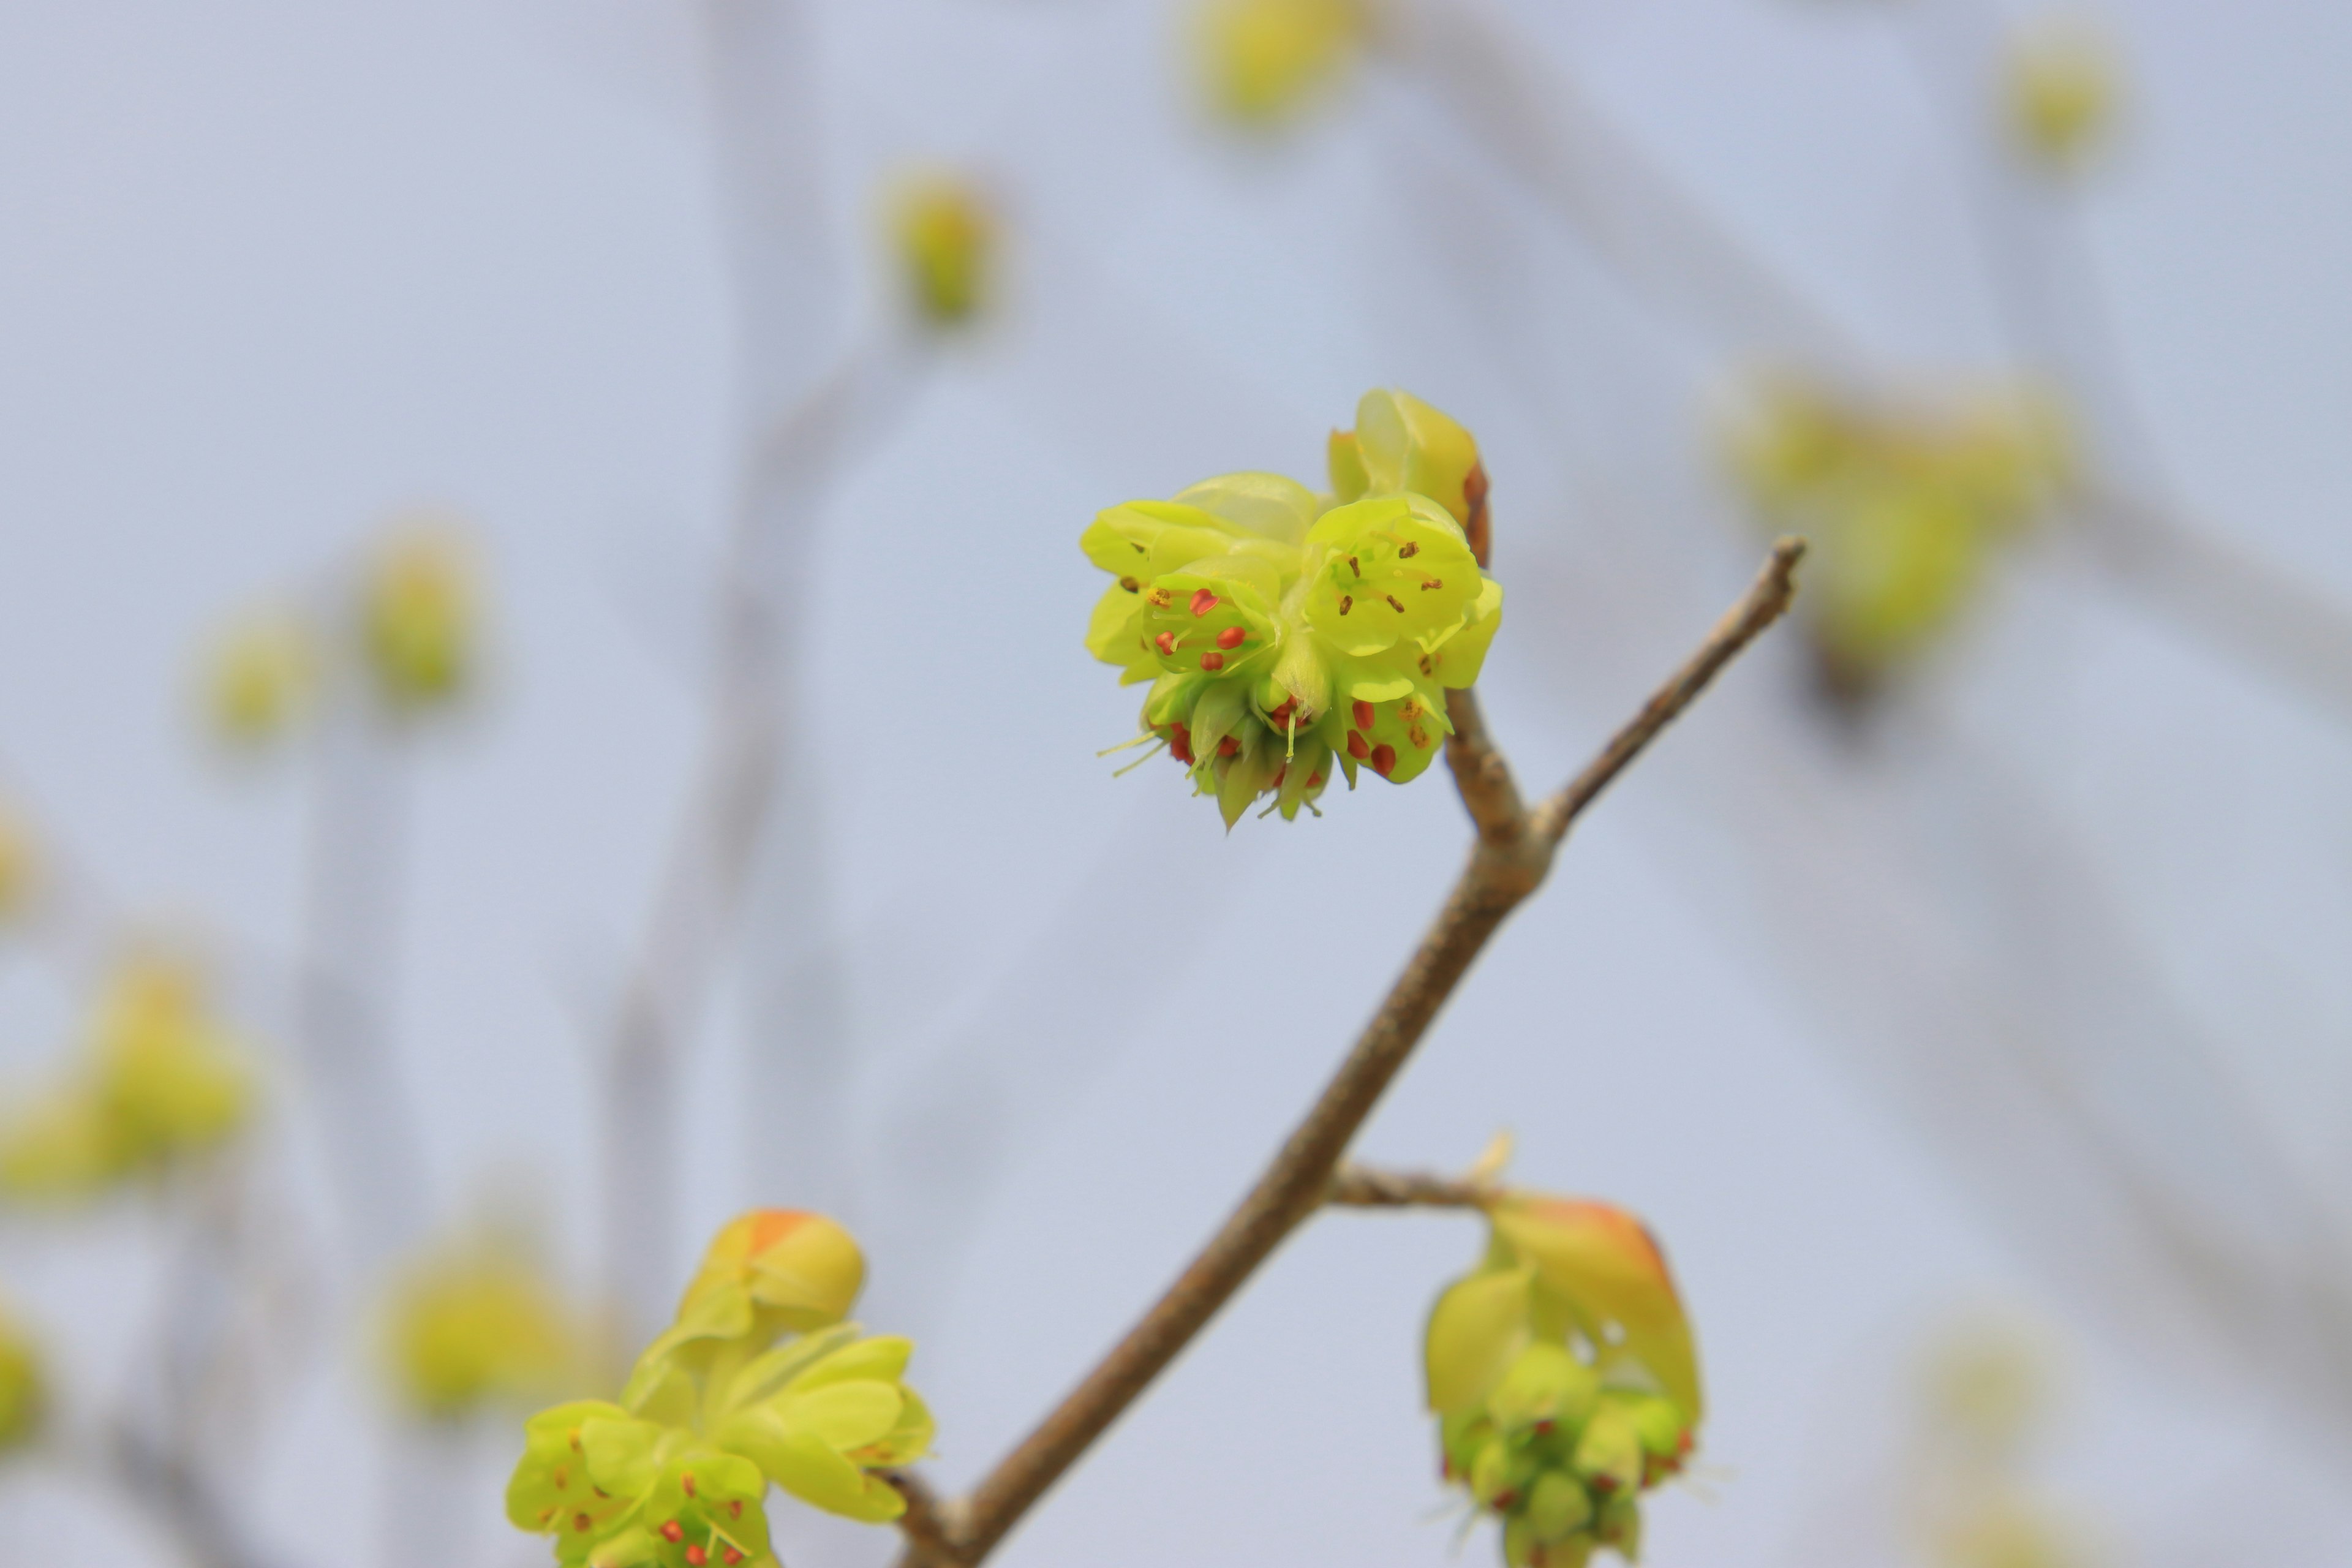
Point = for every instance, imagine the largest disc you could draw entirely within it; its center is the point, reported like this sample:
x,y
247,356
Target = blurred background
x,y
542,704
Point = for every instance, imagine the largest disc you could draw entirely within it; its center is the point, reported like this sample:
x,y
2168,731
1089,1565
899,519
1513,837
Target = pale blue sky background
x,y
271,271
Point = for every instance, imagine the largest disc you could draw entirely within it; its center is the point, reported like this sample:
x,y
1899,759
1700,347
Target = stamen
x,y
1391,598
686,1484
1363,713
1232,637
1419,737
1408,550
1428,664
1139,762
1166,643
1353,567
731,1557
562,1478
582,1523
1432,583
672,1532
696,1557
1345,604
1130,584
1229,747
1384,760
1160,598
1204,601
1314,779
1212,662
1357,747
735,1508
1147,736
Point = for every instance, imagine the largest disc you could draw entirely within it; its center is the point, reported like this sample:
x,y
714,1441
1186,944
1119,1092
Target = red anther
x,y
1504,1499
1384,760
1279,775
696,1557
1229,747
562,1478
1445,1466
672,1532
1231,636
1683,1446
1180,743
731,1556
735,1508
1362,711
686,1484
1166,643
1357,747
1204,601
581,1522
1543,1428
1212,662
1281,715
1604,1482
1314,780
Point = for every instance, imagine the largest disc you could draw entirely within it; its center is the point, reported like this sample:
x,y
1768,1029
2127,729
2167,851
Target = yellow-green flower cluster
x,y
1265,60
2060,91
262,677
1563,1377
945,234
759,1380
23,1389
161,1079
420,618
1288,636
475,1324
1904,505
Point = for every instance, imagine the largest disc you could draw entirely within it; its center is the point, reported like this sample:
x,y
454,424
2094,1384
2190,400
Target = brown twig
x,y
930,1522
1355,1186
1509,862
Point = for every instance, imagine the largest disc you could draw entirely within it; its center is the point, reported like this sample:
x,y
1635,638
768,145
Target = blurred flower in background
x,y
2061,90
1267,61
261,678
946,235
20,863
420,616
23,1396
476,1323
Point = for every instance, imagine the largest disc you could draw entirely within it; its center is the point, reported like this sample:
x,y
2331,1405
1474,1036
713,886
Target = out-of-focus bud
x,y
1266,60
1988,1387
420,617
261,678
162,1080
20,864
1905,505
1283,644
1402,445
945,232
2060,91
23,1388
477,1324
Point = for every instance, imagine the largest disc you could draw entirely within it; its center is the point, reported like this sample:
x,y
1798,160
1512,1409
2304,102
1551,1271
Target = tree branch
x,y
1355,1186
1509,862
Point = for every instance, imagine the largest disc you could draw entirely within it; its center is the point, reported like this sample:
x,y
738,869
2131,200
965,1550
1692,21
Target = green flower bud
x,y
946,239
1546,1386
1558,1508
1279,642
1402,445
261,679
420,617
1609,1453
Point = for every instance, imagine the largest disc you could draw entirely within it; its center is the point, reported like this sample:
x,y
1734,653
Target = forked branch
x,y
1513,853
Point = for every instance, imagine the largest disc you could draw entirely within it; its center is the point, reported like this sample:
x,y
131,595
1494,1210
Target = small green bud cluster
x,y
1288,636
759,1380
1563,1376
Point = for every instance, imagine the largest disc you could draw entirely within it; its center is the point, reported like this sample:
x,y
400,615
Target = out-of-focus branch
x,y
1507,864
1355,1186
180,1500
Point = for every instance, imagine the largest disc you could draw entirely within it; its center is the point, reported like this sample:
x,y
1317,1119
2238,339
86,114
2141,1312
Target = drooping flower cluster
x,y
160,1079
759,1380
476,1323
1288,636
1563,1377
1904,505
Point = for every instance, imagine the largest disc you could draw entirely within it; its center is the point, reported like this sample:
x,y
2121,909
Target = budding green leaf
x,y
1286,636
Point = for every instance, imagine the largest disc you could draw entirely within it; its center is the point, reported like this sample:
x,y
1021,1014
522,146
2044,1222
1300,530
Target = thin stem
x,y
1508,863
1355,1186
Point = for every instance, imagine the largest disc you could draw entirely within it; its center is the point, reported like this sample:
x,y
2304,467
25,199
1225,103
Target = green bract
x,y
1284,633
758,1382
1563,1376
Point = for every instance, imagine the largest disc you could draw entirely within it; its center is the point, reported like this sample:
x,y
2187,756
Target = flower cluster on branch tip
x,y
160,1079
1564,1378
759,1379
476,1322
1288,636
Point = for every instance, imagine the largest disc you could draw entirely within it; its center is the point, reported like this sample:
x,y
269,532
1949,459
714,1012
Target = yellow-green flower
x,y
261,678
758,1382
1288,636
1563,1378
23,1388
1905,505
20,864
161,1079
946,238
1265,60
478,1324
420,617
2060,91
